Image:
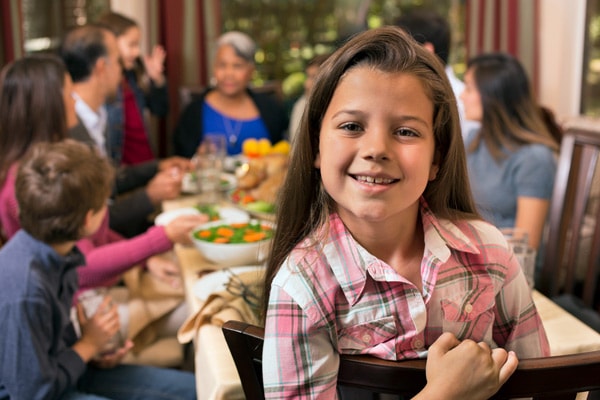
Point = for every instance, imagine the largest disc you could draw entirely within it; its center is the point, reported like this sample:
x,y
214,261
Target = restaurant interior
x,y
556,41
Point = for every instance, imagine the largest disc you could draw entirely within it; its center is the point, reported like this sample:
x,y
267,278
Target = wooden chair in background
x,y
556,378
571,268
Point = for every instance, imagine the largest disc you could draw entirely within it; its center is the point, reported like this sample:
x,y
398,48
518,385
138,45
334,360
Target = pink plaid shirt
x,y
333,297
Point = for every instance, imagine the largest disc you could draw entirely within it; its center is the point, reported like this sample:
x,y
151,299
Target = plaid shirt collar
x,y
441,237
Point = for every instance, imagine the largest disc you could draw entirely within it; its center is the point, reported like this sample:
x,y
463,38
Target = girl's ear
x,y
318,161
435,166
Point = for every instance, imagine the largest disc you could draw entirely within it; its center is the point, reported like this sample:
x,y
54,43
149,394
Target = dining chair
x,y
571,268
557,378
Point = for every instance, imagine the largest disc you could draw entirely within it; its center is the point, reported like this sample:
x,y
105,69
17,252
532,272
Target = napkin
x,y
237,302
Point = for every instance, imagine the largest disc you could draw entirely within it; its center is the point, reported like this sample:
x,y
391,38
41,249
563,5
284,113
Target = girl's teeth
x,y
370,179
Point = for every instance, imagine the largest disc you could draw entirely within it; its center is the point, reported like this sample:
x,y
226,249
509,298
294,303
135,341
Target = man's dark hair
x,y
428,26
81,48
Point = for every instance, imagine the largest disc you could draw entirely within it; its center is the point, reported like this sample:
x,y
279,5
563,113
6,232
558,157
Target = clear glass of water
x,y
518,240
208,163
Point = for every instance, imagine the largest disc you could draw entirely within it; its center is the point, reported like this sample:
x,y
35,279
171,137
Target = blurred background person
x,y
230,107
143,89
512,157
433,32
42,83
91,55
312,68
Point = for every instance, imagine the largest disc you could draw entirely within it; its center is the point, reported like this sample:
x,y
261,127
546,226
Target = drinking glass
x,y
208,163
518,240
91,300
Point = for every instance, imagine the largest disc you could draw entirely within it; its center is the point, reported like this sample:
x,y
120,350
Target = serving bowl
x,y
232,244
230,214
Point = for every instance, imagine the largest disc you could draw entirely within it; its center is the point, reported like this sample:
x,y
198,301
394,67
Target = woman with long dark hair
x,y
512,157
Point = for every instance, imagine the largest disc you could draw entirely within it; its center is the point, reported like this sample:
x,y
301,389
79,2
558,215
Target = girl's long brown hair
x,y
32,109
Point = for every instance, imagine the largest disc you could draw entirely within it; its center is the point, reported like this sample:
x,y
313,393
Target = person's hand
x,y
178,230
98,330
154,63
166,185
181,163
164,268
465,370
113,359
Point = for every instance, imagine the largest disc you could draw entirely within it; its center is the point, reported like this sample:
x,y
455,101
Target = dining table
x,y
216,374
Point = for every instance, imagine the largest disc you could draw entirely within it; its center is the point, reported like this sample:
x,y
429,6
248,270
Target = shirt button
x,y
366,338
418,344
468,308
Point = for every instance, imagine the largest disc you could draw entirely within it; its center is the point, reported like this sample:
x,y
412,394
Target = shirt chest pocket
x,y
471,314
353,339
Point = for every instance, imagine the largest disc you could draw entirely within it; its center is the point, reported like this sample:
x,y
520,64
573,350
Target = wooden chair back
x,y
560,377
572,249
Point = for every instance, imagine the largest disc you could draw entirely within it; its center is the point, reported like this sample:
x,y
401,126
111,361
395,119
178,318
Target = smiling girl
x,y
379,249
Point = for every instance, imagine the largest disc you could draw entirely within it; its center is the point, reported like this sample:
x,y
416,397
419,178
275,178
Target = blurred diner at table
x,y
91,55
512,157
143,90
152,289
229,107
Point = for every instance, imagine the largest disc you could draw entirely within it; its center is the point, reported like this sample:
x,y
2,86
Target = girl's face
x,y
471,98
70,115
129,46
232,72
376,150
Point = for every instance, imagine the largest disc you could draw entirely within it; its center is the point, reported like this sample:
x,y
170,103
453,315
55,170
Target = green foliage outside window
x,y
291,32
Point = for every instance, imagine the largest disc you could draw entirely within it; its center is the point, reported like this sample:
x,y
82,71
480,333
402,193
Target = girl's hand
x,y
165,269
154,65
466,370
178,230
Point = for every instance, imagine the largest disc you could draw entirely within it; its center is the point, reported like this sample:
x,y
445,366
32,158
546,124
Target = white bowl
x,y
231,254
229,214
165,217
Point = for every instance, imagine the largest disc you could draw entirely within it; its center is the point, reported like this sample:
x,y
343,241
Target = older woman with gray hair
x,y
229,106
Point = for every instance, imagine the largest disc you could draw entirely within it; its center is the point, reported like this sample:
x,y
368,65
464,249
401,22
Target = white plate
x,y
217,281
165,217
233,214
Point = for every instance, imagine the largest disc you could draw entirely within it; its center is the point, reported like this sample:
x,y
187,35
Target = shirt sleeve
x,y
32,366
534,171
299,360
106,262
9,208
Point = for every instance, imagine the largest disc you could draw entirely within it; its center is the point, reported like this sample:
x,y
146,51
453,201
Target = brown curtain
x,y
180,25
510,26
11,43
